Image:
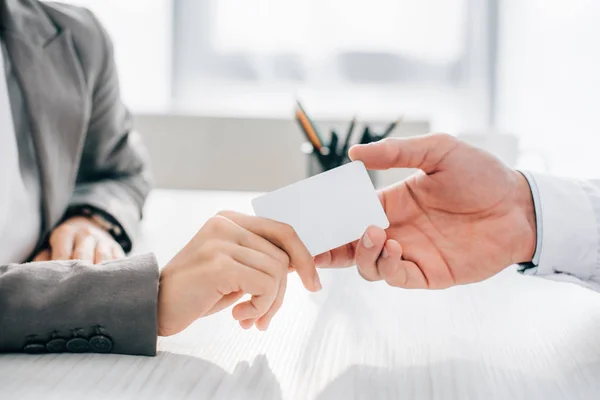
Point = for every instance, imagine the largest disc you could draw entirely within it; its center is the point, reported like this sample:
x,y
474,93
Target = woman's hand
x,y
80,238
232,255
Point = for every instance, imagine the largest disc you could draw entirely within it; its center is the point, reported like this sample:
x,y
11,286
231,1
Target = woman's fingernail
x,y
385,253
317,282
367,242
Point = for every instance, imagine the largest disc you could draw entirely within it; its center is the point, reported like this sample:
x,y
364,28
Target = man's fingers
x,y
368,251
284,237
398,272
423,152
84,249
61,243
388,263
247,323
43,255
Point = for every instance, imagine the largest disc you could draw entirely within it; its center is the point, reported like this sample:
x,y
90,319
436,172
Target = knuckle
x,y
103,254
215,224
60,233
77,255
221,259
396,284
444,137
387,142
282,258
367,276
54,239
82,239
225,213
86,231
219,225
66,229
277,268
287,231
213,247
270,285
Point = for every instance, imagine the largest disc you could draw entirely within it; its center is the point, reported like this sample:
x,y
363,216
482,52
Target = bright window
x,y
142,36
379,58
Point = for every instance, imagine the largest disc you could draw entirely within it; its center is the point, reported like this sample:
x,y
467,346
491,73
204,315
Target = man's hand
x,y
80,238
232,255
464,218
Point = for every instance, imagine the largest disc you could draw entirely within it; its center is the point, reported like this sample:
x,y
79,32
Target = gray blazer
x,y
87,154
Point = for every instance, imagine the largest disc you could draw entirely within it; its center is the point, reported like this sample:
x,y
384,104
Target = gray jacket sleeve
x,y
114,172
71,306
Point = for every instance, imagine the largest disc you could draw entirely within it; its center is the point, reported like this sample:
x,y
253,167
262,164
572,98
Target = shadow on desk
x,y
166,376
192,378
458,380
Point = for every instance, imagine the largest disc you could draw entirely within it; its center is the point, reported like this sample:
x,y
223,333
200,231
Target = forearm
x,y
567,215
116,300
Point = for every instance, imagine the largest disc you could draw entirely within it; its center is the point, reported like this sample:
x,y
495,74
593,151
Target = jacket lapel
x,y
54,92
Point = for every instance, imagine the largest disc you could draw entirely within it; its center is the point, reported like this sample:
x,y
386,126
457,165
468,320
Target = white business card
x,y
326,210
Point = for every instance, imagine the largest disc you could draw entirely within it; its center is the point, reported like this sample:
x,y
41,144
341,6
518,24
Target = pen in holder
x,y
324,160
324,155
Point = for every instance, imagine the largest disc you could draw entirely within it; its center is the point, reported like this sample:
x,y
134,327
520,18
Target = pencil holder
x,y
318,162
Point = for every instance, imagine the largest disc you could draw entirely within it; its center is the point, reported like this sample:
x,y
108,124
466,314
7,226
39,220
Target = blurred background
x,y
213,83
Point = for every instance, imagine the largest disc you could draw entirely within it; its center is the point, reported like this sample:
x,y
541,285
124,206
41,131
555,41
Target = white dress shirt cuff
x,y
567,216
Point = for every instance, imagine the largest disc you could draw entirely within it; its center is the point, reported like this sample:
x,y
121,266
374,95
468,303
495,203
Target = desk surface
x,y
509,337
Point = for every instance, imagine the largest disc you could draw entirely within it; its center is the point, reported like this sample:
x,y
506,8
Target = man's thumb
x,y
422,152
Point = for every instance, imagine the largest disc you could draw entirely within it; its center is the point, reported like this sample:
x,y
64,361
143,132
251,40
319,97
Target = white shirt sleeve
x,y
568,229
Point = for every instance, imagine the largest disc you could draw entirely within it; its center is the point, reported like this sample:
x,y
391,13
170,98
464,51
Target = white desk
x,y
509,337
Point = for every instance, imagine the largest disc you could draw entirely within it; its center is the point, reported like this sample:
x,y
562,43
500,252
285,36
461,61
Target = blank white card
x,y
328,210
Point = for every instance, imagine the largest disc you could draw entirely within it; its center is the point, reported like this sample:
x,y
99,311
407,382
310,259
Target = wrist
x,y
167,315
160,305
525,237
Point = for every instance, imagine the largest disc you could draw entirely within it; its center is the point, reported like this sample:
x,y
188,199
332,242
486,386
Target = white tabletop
x,y
511,337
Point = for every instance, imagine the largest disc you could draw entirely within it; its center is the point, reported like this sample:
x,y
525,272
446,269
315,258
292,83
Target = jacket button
x,y
57,345
78,345
101,344
34,348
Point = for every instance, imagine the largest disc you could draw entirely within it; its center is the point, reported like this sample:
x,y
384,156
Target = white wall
x,y
253,154
549,80
142,35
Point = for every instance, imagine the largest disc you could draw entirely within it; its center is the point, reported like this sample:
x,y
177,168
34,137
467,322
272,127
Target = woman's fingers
x,y
264,321
284,237
84,248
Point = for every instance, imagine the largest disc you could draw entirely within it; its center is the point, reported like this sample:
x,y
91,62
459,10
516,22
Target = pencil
x,y
308,130
314,127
